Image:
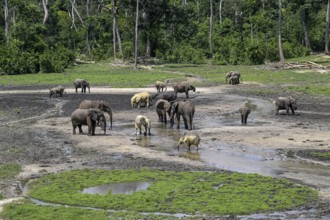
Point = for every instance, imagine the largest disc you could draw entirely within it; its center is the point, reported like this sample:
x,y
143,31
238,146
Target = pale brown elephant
x,y
183,87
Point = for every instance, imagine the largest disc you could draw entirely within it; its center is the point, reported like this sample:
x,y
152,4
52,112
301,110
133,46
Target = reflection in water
x,y
117,188
192,155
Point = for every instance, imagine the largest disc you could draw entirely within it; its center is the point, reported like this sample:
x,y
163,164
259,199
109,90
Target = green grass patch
x,y
101,74
9,170
24,210
321,155
309,81
175,192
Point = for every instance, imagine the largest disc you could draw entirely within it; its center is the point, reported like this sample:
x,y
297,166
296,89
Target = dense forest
x,y
48,35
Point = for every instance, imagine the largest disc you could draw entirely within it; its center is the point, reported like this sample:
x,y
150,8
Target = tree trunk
x,y
304,23
211,26
327,29
119,41
282,60
114,28
45,5
7,21
220,10
136,34
73,3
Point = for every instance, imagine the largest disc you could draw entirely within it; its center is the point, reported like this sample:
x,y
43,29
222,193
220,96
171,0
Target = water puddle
x,y
117,188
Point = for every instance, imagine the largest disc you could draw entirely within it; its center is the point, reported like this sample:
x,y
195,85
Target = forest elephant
x,y
244,111
234,77
169,96
99,104
186,109
183,87
89,117
161,86
142,121
56,91
189,139
81,83
234,80
163,107
138,98
285,103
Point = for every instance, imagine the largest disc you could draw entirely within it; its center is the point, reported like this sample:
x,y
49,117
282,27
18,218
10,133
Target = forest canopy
x,y
48,35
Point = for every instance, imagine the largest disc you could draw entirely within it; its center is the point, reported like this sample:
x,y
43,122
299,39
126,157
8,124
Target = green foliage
x,y
205,192
184,54
56,60
9,170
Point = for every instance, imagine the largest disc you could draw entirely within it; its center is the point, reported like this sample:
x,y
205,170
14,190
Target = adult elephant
x,y
186,109
233,75
81,83
99,104
183,87
89,117
163,107
286,103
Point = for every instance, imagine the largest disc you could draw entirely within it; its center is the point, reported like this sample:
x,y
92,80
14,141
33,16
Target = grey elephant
x,y
183,87
81,83
99,104
163,107
285,103
56,91
169,96
142,121
186,109
233,73
89,117
244,111
234,80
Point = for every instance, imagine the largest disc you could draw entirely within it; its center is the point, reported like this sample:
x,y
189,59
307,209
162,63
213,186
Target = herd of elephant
x,y
91,112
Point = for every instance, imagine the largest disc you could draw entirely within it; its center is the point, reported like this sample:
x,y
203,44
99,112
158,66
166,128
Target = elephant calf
x,y
81,83
54,92
161,86
286,103
189,139
144,121
244,111
138,98
99,104
89,117
163,107
183,87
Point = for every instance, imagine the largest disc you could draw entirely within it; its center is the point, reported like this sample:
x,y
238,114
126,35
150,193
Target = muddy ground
x,y
36,132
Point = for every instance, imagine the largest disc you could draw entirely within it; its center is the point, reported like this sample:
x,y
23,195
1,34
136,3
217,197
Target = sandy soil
x,y
36,132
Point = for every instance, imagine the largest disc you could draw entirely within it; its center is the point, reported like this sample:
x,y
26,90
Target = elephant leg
x,y
178,121
164,117
185,121
80,130
73,130
145,130
292,110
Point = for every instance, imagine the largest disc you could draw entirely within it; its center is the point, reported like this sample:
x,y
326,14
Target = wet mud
x,y
36,131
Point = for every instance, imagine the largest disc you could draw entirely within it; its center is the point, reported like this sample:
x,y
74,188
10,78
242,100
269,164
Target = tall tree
x,y
46,15
114,28
280,49
327,29
220,10
211,26
136,34
6,8
304,24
